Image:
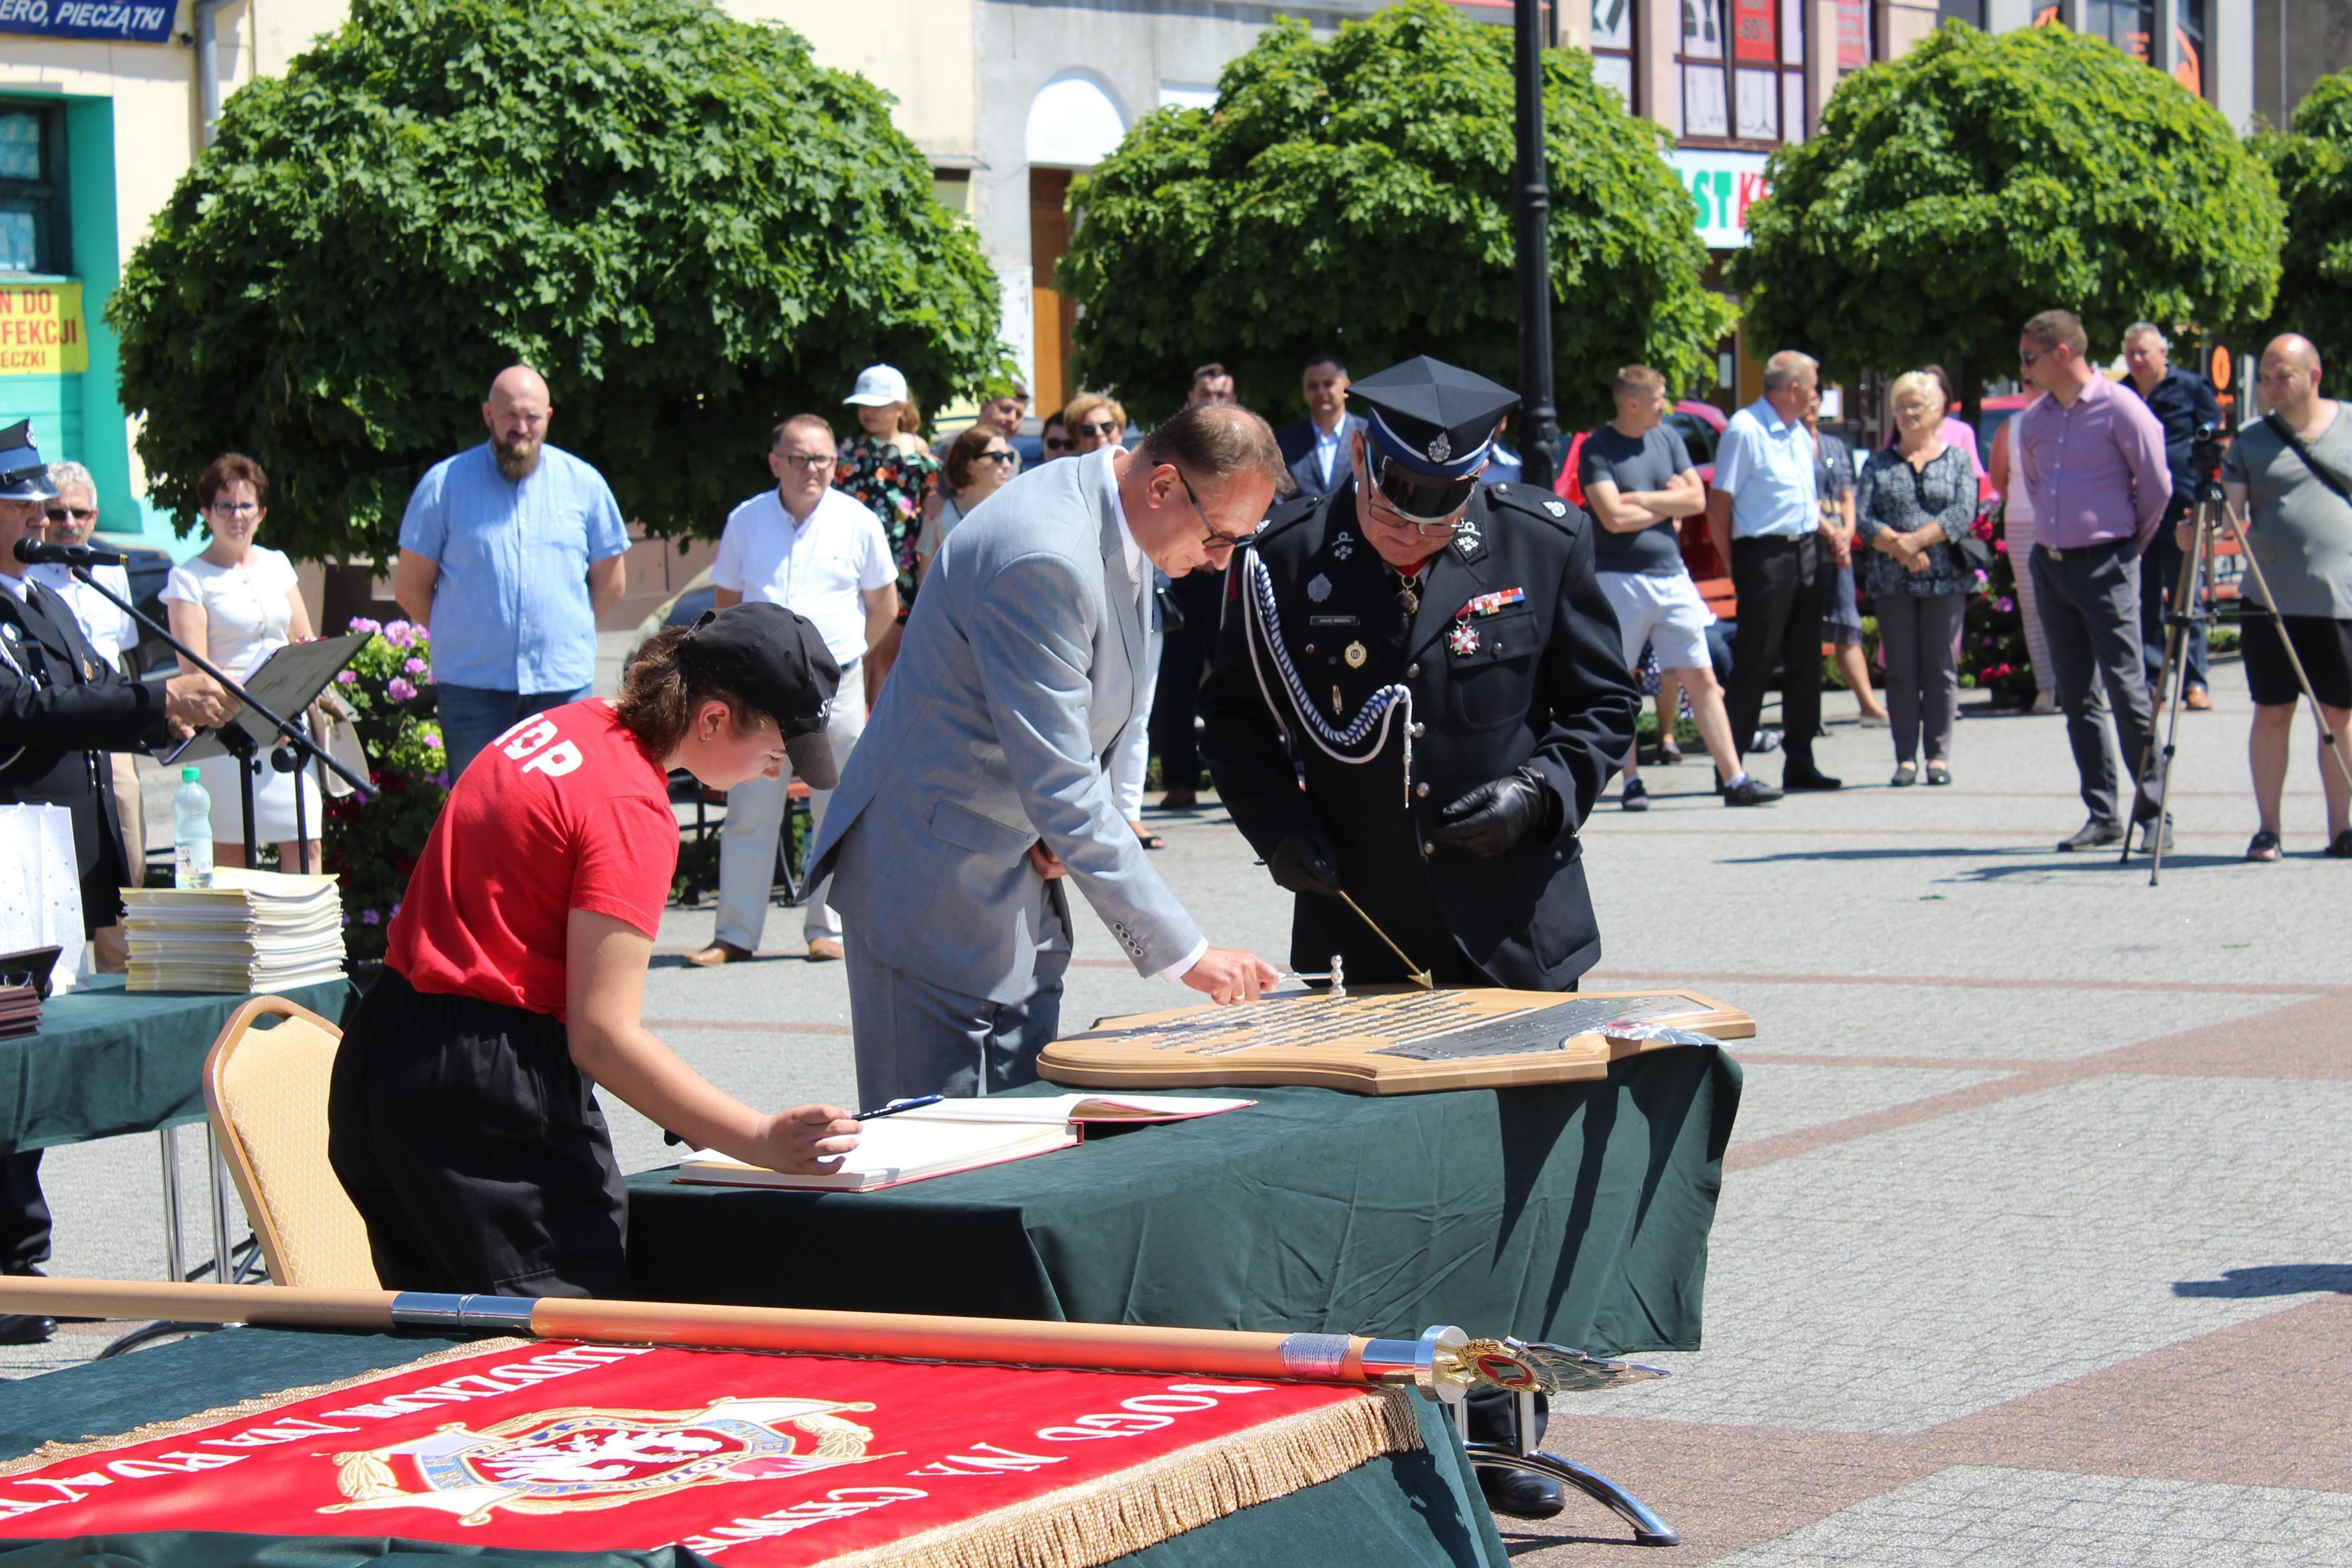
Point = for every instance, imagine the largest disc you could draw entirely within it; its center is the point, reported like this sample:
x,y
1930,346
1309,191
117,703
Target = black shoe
x,y
2094,835
1521,1495
27,1328
2339,848
1809,778
1748,792
1634,797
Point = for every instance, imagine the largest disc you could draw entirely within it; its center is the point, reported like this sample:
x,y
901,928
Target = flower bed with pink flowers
x,y
372,845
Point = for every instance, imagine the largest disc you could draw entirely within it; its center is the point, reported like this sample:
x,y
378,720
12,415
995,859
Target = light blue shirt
x,y
510,609
1765,464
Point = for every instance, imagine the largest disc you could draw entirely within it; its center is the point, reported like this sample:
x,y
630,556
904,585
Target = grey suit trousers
x,y
2089,605
917,1038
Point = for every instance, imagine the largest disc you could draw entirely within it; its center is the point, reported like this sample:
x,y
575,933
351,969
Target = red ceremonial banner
x,y
762,1461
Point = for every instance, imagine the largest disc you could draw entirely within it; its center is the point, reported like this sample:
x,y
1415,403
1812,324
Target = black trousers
x,y
474,1150
1198,597
24,1214
1780,585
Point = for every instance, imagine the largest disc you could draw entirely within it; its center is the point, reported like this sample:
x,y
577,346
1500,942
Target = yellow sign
x,y
42,332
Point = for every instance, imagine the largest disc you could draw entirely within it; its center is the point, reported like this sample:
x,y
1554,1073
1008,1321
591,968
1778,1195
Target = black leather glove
x,y
1495,815
1307,862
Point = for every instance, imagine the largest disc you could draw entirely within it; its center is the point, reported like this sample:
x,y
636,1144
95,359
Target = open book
x,y
958,1135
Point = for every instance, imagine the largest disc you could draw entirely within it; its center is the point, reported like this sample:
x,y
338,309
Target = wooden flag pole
x,y
1426,1363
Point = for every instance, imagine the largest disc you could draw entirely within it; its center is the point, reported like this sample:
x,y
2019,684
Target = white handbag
x,y
41,889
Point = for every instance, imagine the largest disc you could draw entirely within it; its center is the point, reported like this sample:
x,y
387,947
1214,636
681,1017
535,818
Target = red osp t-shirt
x,y
563,811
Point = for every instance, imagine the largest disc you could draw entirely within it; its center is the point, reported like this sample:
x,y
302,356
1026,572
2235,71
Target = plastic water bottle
x,y
192,832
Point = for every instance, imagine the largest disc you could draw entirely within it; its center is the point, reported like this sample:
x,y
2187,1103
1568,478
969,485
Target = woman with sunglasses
x,y
1055,439
979,462
238,602
1094,421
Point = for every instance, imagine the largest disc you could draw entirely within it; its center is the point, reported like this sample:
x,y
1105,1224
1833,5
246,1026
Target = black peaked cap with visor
x,y
776,662
23,476
1431,429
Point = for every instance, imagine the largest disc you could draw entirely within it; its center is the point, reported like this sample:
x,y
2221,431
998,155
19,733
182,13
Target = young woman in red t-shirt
x,y
463,1117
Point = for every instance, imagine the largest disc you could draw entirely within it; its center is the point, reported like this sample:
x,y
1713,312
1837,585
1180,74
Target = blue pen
x,y
892,1109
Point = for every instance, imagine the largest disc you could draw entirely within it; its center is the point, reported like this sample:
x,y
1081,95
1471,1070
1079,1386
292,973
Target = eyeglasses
x,y
808,463
1105,428
999,457
1215,541
2027,359
1057,443
81,514
232,509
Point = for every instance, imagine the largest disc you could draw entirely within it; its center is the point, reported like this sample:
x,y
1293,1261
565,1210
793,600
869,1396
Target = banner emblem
x,y
556,1461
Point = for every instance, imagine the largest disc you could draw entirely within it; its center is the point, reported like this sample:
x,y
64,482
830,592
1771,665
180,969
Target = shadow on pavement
x,y
2273,1279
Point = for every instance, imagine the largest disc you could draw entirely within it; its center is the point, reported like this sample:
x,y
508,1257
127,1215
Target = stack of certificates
x,y
249,931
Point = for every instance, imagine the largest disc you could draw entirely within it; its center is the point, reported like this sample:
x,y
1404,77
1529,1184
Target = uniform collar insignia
x,y
1343,545
1556,508
1468,542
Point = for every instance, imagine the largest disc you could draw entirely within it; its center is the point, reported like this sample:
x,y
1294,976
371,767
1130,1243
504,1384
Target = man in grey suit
x,y
978,793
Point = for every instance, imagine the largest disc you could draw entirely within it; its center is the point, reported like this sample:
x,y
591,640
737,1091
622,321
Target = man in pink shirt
x,y
2093,464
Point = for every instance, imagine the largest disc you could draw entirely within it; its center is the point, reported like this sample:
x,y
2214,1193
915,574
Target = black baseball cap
x,y
776,660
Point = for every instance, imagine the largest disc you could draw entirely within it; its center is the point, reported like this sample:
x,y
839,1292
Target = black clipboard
x,y
288,682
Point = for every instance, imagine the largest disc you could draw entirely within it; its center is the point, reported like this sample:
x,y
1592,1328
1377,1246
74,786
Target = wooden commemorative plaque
x,y
1390,1039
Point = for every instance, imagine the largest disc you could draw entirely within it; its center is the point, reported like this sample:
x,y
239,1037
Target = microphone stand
x,y
239,743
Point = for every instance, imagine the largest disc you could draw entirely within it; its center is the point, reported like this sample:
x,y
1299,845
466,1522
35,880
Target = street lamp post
x,y
1540,432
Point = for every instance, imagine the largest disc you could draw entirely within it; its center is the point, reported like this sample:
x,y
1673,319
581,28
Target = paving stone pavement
x,y
2034,1244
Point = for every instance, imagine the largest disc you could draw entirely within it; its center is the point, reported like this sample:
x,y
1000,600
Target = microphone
x,y
33,552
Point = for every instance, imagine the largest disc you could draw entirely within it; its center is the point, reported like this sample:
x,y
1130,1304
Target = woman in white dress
x,y
238,602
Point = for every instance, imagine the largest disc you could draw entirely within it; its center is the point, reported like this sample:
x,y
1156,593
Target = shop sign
x,y
42,332
1722,186
108,20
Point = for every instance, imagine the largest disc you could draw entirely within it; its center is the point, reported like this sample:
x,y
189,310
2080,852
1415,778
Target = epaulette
x,y
1286,514
1531,500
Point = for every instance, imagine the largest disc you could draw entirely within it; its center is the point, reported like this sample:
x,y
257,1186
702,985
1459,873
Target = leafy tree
x,y
1955,192
687,226
1355,196
2312,163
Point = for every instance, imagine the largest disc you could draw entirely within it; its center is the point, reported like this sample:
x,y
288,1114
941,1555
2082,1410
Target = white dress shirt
x,y
1766,464
111,632
816,567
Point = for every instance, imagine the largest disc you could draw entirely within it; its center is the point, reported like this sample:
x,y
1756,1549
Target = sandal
x,y
1939,774
1150,841
2339,848
1905,775
2265,846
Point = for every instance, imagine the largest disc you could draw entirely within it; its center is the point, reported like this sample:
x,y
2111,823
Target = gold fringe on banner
x,y
50,1452
1085,1526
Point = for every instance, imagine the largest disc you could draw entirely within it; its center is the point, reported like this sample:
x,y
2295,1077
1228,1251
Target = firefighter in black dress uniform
x,y
62,706
1430,658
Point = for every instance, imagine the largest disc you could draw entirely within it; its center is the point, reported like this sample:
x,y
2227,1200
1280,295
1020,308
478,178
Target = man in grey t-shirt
x,y
2300,531
1638,480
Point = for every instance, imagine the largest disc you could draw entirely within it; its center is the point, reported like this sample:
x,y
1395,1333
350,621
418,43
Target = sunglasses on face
x,y
2027,359
1105,428
996,457
80,514
1057,443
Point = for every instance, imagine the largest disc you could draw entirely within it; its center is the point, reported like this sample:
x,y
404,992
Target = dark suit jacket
x,y
60,704
1297,443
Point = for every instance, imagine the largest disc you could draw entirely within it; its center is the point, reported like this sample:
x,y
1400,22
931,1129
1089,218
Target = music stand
x,y
288,682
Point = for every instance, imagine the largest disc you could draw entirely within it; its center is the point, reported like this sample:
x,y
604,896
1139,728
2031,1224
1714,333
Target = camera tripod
x,y
2192,605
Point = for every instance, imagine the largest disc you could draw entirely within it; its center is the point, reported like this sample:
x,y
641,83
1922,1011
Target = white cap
x,y
878,386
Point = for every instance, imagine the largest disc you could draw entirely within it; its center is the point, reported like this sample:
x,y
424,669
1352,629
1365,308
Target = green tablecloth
x,y
1407,1510
109,1061
1575,1213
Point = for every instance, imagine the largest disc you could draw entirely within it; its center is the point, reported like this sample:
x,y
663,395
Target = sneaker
x,y
1808,779
2152,833
1765,740
2264,847
2094,835
1634,797
1749,791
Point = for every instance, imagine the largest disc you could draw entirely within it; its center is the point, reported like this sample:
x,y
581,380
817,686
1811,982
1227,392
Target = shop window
x,y
1745,82
2188,39
2128,24
1857,34
1612,47
32,188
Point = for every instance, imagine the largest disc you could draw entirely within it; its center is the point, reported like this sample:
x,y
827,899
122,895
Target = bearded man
x,y
508,552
